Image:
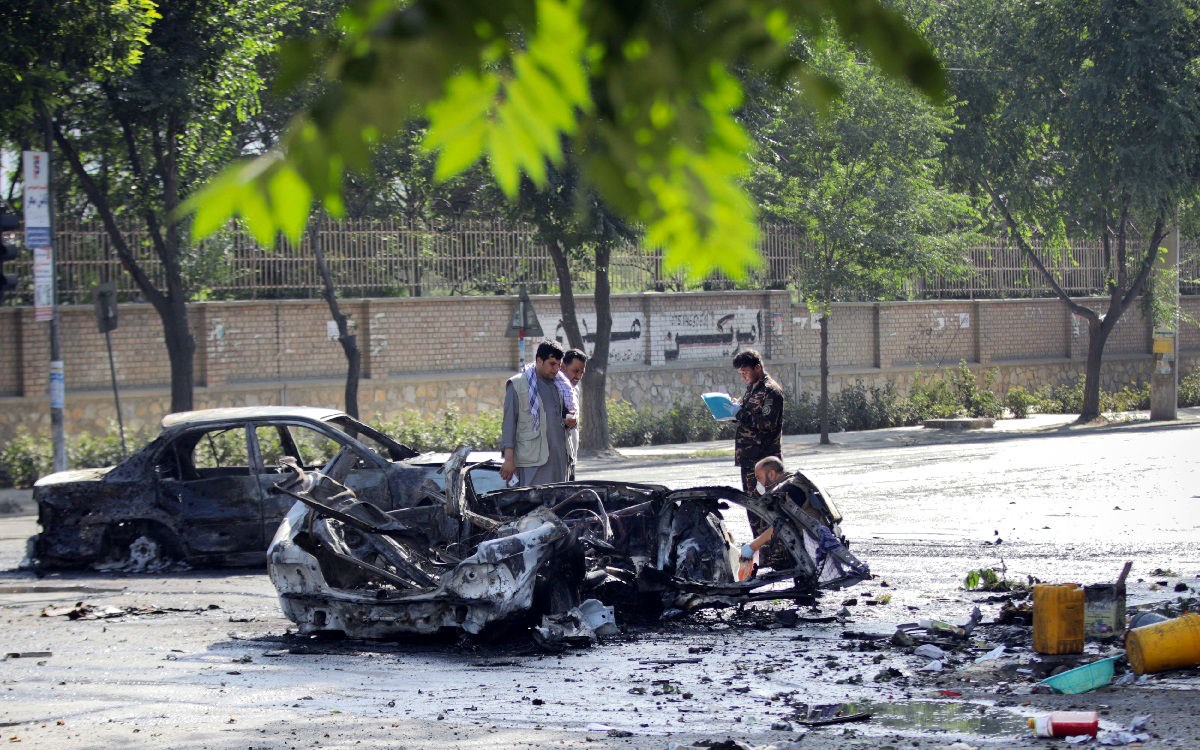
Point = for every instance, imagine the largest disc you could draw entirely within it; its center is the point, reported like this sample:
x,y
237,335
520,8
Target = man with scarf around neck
x,y
538,411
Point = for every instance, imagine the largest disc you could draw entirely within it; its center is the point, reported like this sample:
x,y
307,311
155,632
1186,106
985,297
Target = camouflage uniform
x,y
759,428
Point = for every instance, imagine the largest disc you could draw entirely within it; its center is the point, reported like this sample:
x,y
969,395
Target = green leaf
x,y
257,215
469,98
551,105
458,123
503,160
292,200
527,116
214,205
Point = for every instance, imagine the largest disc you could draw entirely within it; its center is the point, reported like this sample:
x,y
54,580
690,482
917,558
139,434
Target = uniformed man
x,y
772,478
759,420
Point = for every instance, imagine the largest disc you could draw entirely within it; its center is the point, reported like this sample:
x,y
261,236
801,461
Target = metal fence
x,y
382,259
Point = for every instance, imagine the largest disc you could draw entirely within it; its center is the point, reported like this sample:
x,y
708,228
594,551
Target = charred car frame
x,y
466,560
201,492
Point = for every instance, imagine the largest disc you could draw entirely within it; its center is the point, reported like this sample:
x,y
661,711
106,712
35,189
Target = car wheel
x,y
138,547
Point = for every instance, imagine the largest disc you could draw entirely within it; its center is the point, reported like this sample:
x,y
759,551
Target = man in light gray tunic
x,y
574,365
537,414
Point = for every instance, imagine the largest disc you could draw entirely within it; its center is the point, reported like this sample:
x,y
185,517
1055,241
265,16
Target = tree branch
x,y
98,199
1027,249
139,172
1147,262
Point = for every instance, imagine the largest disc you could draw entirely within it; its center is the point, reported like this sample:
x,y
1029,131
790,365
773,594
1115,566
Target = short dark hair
x,y
549,350
572,355
748,358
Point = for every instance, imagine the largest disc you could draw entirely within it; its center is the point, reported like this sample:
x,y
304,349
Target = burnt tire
x,y
139,546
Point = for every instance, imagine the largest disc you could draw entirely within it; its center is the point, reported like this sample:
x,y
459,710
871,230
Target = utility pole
x,y
39,235
1164,383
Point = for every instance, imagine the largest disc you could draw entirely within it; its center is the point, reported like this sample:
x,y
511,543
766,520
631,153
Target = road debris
x,y
1121,737
1066,724
83,611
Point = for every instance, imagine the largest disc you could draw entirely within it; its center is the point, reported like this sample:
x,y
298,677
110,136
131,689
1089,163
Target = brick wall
x,y
11,352
427,353
1022,329
852,342
927,333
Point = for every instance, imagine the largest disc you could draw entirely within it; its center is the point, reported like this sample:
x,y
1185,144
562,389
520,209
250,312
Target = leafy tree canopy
x,y
644,91
46,47
1079,114
863,180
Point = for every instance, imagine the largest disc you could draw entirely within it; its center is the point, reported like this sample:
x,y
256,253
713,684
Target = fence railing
x,y
379,259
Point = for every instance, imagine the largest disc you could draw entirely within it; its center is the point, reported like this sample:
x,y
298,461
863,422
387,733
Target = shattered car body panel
x,y
200,492
477,560
341,565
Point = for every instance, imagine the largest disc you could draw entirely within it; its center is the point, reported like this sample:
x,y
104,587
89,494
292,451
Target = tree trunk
x,y
1098,330
594,437
181,353
566,294
170,305
824,406
348,340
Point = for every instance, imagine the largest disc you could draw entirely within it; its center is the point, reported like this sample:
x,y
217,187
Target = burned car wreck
x,y
469,561
200,493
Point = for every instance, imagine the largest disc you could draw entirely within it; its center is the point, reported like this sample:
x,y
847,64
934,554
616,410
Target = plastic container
x,y
1082,679
1174,644
1058,618
1103,610
1066,724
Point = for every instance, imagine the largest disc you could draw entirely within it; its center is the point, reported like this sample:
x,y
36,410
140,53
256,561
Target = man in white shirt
x,y
573,365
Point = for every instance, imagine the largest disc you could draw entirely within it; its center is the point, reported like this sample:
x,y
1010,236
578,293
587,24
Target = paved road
x,y
207,663
1064,501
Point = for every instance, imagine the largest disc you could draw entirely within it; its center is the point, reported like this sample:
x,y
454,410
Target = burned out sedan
x,y
470,561
200,493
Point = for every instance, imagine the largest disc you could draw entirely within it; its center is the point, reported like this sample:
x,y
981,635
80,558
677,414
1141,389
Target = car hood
x,y
75,475
437,459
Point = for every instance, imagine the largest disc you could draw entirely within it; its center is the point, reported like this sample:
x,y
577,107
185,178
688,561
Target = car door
x,y
215,487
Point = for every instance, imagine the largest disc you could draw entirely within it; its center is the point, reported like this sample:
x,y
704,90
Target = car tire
x,y
138,547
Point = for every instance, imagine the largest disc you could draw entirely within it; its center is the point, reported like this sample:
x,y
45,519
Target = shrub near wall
x,y
24,458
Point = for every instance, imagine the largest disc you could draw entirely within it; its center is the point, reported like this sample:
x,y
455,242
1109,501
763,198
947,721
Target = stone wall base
x,y
483,391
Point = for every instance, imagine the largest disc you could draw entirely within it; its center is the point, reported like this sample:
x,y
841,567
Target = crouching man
x,y
773,479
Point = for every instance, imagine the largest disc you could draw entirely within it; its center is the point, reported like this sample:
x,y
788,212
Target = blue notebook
x,y
721,405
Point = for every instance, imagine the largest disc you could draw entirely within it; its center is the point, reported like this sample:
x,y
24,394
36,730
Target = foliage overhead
x,y
644,91
46,47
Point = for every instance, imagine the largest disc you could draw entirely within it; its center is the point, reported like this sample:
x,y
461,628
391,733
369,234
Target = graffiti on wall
x,y
934,343
625,343
707,335
683,336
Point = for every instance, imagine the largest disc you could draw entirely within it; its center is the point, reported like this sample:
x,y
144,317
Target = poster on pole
x,y
37,231
43,283
37,199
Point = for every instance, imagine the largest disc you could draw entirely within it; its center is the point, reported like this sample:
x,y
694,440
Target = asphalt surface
x,y
200,659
